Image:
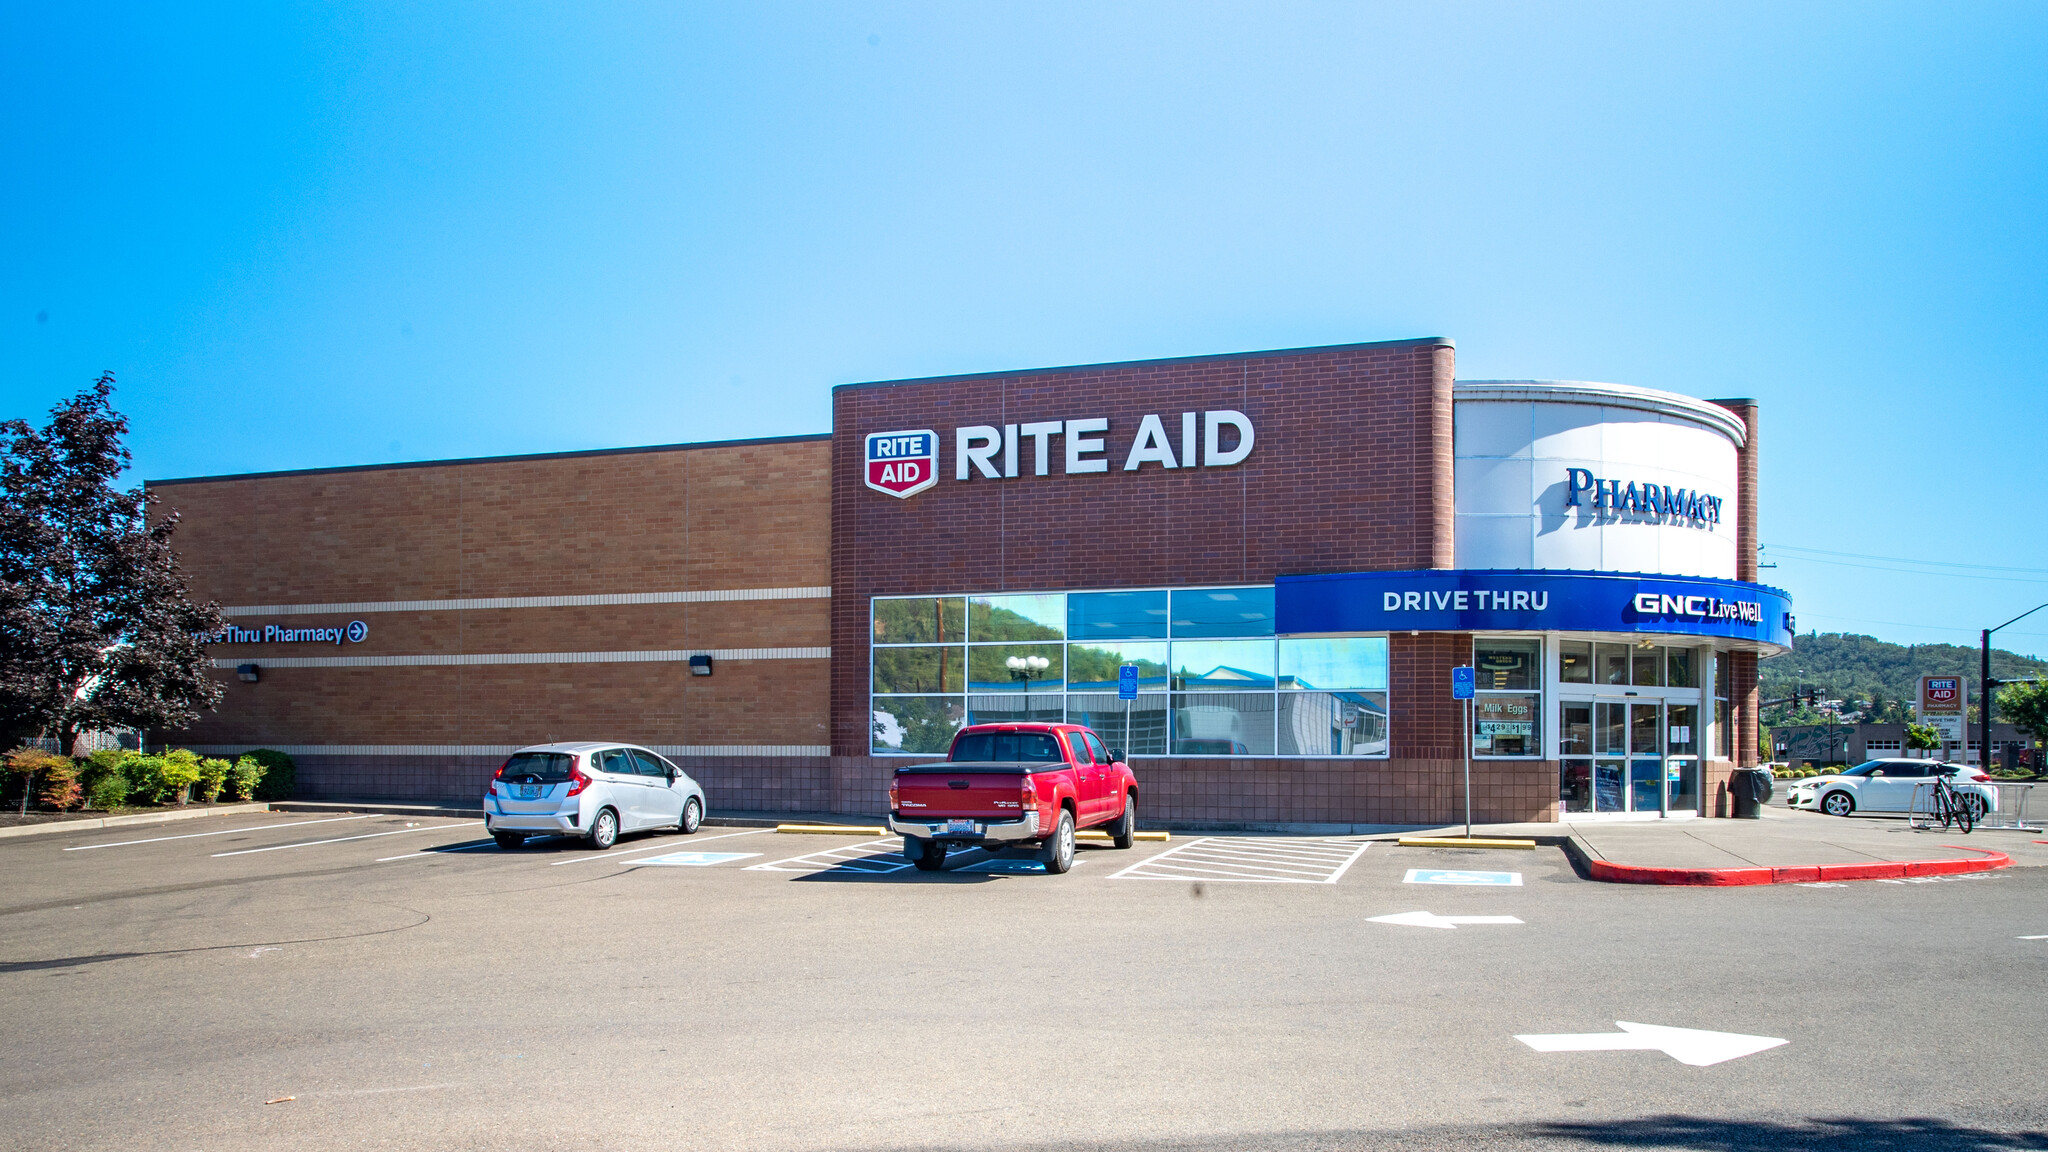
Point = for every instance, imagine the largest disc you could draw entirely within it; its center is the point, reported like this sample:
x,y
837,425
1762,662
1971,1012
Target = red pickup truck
x,y
1014,786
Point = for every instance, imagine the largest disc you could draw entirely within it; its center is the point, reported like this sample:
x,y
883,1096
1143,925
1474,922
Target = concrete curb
x,y
1612,873
131,819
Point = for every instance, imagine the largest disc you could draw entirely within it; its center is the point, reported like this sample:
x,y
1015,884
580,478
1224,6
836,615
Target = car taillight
x,y
577,781
1980,778
894,795
1027,796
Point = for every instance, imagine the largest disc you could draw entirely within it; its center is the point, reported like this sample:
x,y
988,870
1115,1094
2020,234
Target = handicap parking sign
x,y
693,859
1467,879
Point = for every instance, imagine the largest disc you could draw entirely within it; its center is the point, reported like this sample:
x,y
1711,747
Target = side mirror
x,y
1116,755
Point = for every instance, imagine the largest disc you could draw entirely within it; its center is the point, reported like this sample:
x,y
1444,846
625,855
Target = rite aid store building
x,y
1294,548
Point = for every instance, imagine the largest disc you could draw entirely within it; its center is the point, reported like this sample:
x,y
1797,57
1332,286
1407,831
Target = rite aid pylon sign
x,y
903,463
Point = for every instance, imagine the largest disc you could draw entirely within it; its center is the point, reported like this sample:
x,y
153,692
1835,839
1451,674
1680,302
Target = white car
x,y
593,790
1888,786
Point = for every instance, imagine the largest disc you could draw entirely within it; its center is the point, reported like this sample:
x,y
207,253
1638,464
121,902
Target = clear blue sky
x,y
326,234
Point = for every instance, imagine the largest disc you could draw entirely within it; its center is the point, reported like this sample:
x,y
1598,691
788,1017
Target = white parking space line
x,y
669,845
873,856
346,839
441,851
223,832
1251,859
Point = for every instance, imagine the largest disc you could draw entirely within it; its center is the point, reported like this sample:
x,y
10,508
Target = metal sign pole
x,y
1468,769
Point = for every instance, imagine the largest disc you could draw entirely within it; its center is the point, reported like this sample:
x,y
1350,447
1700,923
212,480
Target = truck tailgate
x,y
945,791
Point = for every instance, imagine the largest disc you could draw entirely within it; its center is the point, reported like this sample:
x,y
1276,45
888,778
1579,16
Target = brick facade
x,y
1355,474
768,552
691,519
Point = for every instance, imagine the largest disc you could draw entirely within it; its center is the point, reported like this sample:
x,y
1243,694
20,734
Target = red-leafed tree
x,y
96,628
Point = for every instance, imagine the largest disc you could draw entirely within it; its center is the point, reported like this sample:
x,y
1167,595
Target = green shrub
x,y
145,776
100,765
108,792
280,775
180,772
244,777
213,776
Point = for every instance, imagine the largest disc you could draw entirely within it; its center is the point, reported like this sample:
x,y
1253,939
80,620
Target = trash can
x,y
1751,788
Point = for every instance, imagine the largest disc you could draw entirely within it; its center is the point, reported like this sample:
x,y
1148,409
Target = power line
x,y
1905,560
1917,572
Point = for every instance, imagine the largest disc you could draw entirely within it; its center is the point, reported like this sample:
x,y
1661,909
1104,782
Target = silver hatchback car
x,y
593,790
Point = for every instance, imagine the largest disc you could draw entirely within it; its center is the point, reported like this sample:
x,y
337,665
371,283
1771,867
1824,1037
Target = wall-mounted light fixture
x,y
246,672
700,664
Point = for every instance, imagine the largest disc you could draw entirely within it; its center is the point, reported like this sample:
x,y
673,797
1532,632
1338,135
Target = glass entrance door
x,y
1645,758
1628,755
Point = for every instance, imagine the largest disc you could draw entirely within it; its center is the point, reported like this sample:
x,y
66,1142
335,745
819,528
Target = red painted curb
x,y
1735,877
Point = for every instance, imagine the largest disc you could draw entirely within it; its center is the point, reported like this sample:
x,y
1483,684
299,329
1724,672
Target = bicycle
x,y
1953,807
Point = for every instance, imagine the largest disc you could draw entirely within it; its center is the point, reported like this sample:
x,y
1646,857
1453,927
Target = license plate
x,y
529,791
966,826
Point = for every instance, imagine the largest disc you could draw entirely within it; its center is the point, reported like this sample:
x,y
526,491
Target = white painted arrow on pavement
x,y
1685,1045
1432,920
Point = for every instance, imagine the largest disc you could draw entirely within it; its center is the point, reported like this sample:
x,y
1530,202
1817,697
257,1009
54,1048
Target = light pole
x,y
1984,691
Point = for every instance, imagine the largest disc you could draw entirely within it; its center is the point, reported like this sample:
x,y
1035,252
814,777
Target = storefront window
x,y
1681,667
921,620
1040,616
1206,612
1022,668
1575,662
1351,662
1508,663
1222,665
1097,665
1116,615
1136,726
1648,667
1223,723
914,724
920,670
1612,663
1213,680
1575,749
1333,723
1505,722
1724,729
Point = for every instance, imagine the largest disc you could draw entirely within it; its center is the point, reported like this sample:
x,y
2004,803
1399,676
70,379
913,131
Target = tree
x,y
2025,707
1921,736
96,628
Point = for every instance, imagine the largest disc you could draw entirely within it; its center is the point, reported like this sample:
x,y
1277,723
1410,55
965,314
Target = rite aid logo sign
x,y
1943,690
903,463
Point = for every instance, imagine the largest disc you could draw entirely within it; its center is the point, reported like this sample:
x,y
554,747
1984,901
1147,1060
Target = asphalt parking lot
x,y
409,985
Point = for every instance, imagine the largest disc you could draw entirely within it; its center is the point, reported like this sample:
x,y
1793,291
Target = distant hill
x,y
1874,675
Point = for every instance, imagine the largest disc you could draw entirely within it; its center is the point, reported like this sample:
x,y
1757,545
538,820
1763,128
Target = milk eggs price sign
x,y
903,463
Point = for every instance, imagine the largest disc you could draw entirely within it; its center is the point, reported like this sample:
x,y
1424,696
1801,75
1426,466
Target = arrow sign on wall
x,y
1432,920
1685,1045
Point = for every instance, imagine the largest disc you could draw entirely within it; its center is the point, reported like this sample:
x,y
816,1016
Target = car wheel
x,y
1058,853
929,855
1837,804
1124,832
693,816
509,840
604,831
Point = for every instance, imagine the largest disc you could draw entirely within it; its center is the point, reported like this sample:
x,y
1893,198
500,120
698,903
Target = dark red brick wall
x,y
1351,471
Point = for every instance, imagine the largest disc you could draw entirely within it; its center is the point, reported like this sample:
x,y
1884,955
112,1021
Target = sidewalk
x,y
1781,847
